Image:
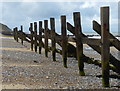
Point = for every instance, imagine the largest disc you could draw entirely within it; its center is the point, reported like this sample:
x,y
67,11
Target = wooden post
x,y
31,35
79,45
40,36
64,40
46,37
52,25
21,35
16,34
35,36
105,50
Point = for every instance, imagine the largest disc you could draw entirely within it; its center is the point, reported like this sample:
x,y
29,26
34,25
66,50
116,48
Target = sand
x,y
25,69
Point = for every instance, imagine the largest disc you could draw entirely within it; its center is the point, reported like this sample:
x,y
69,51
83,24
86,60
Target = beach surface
x,y
25,69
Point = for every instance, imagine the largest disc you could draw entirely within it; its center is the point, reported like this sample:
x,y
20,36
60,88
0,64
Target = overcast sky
x,y
22,13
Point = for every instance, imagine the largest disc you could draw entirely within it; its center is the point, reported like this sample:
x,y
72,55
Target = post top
x,y
45,20
105,7
63,15
52,18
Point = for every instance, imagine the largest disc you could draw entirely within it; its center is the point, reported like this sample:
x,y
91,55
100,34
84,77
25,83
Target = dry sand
x,y
24,69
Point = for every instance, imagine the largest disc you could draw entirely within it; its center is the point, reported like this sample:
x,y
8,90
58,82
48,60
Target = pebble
x,y
47,77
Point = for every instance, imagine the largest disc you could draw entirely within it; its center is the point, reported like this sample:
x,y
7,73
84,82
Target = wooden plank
x,y
97,28
22,34
71,28
79,45
31,35
35,36
52,25
19,34
28,35
91,41
105,50
64,40
58,38
40,36
46,37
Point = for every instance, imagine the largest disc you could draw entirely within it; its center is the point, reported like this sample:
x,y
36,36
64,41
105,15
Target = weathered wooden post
x,y
64,40
46,37
21,34
31,35
79,45
52,25
40,36
16,34
105,50
35,36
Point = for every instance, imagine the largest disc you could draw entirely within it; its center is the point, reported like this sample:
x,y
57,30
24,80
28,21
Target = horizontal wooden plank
x,y
72,39
91,41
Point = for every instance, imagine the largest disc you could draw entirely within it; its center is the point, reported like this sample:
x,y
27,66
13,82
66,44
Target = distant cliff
x,y
5,30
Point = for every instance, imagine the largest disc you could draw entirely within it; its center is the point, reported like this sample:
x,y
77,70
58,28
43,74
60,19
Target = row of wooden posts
x,y
102,46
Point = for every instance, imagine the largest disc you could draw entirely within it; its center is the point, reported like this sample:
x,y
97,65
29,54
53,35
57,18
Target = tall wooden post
x,y
46,37
16,34
35,36
52,25
21,35
31,35
79,45
64,40
105,50
40,36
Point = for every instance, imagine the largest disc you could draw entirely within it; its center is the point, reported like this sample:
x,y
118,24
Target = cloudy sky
x,y
22,13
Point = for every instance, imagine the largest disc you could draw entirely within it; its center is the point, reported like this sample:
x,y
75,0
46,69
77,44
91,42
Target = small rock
x,y
47,77
35,61
60,87
55,83
70,87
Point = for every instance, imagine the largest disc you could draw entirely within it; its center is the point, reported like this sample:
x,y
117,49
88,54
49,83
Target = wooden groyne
x,y
102,46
